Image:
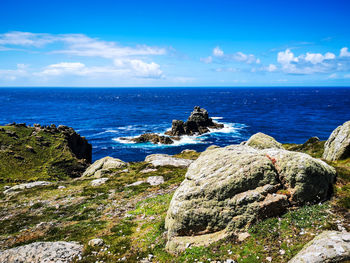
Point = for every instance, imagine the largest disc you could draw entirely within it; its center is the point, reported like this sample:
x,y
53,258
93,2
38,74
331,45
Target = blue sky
x,y
174,43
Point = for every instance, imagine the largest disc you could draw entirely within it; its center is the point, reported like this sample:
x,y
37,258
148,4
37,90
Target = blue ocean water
x,y
103,115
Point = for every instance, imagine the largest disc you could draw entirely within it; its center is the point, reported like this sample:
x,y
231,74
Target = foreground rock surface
x,y
102,166
21,187
330,246
42,252
337,146
226,189
263,141
163,160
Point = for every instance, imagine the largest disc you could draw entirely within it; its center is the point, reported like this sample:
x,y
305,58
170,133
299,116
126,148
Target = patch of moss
x,y
315,149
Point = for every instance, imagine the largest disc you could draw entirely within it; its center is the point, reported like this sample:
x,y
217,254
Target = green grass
x,y
27,158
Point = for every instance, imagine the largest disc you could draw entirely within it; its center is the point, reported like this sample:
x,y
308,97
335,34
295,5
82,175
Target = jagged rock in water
x,y
153,138
227,189
43,252
263,141
164,160
198,123
329,246
103,166
337,146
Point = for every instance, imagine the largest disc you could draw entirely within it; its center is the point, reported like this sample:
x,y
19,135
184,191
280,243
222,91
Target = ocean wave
x,y
217,118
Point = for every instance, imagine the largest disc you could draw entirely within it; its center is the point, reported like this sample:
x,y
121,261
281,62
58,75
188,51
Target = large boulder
x,y
102,166
329,246
227,189
337,146
43,252
263,141
167,160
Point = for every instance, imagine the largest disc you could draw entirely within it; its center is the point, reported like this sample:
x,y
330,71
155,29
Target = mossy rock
x,y
41,153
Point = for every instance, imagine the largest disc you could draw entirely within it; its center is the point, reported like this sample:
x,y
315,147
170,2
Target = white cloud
x,y
132,61
26,39
316,58
207,60
333,76
14,74
271,68
81,45
127,68
217,52
344,52
218,56
286,57
309,63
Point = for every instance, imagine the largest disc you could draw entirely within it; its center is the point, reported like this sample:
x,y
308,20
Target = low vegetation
x,y
130,219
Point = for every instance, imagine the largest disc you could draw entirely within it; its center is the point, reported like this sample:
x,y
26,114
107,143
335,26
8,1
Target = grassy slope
x,y
131,219
24,157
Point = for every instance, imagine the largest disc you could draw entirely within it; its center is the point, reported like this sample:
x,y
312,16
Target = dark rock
x,y
312,140
198,123
154,138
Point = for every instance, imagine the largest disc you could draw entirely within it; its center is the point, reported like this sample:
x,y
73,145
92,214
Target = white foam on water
x,y
217,118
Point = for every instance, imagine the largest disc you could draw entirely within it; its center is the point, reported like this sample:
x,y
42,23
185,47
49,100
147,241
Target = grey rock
x,y
42,252
337,147
329,246
164,160
20,187
227,189
263,141
155,180
136,183
96,242
148,170
103,166
98,182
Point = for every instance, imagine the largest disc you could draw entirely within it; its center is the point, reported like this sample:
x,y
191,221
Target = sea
x,y
104,115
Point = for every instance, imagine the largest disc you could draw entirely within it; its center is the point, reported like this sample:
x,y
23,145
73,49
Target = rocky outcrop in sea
x,y
197,123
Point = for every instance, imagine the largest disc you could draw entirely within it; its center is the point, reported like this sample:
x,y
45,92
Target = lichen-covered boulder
x,y
43,252
98,168
227,189
337,146
263,141
164,160
329,246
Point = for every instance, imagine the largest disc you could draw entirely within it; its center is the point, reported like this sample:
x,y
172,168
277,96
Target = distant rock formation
x,y
337,146
198,123
227,189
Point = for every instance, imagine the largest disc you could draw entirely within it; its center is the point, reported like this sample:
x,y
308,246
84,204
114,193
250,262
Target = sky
x,y
168,43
